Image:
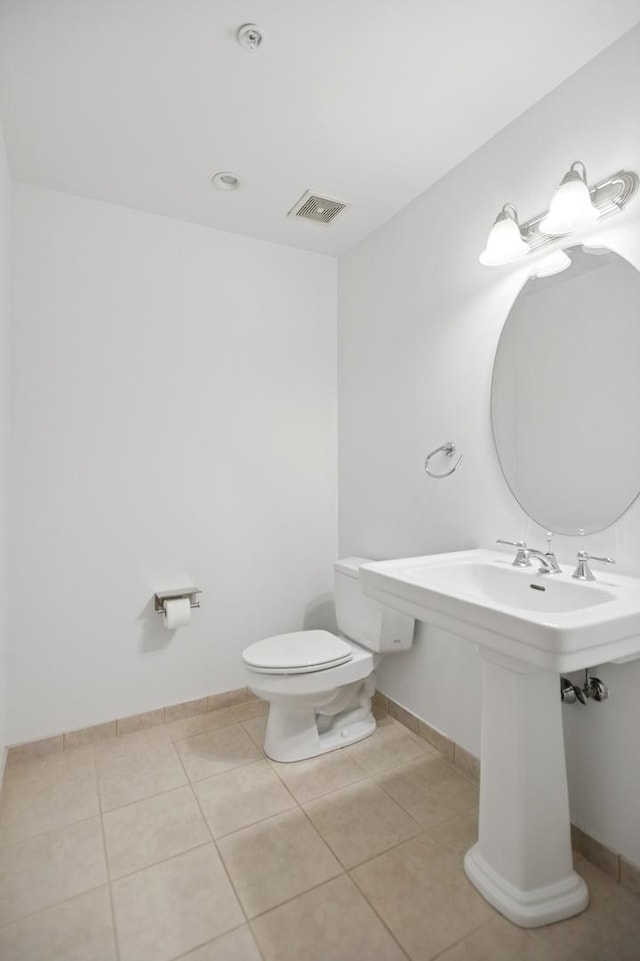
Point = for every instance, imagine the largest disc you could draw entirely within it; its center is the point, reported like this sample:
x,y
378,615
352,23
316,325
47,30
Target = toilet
x,y
318,684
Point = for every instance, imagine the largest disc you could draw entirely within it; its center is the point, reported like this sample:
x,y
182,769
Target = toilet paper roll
x,y
177,613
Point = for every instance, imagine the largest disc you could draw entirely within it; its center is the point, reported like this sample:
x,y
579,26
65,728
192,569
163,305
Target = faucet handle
x,y
583,572
522,557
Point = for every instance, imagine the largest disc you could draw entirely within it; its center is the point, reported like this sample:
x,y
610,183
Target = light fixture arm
x,y
509,210
574,174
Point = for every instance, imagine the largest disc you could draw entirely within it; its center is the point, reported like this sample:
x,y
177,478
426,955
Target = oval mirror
x,y
566,393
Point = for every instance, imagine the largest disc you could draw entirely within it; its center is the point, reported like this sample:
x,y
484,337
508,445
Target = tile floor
x,y
184,842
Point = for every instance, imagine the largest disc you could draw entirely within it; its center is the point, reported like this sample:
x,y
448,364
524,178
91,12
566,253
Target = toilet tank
x,y
364,620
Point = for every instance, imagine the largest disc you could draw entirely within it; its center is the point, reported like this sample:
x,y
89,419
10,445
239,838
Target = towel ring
x,y
448,450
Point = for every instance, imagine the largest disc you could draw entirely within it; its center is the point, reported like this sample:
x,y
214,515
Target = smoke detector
x,y
249,36
321,210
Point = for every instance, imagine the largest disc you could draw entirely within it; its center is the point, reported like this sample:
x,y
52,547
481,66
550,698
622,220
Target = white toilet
x,y
319,685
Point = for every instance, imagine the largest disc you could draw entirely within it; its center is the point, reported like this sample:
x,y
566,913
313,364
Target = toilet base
x,y
298,735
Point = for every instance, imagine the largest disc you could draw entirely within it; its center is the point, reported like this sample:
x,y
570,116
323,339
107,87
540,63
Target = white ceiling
x,y
139,102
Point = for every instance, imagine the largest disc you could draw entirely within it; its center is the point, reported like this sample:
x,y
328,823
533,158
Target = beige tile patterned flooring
x,y
182,841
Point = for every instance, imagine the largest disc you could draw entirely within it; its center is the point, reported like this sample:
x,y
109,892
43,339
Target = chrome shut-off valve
x,y
568,691
593,688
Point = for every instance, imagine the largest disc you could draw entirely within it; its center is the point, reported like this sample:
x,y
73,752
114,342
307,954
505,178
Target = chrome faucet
x,y
548,561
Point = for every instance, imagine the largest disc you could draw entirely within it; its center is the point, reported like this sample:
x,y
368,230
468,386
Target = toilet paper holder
x,y
162,596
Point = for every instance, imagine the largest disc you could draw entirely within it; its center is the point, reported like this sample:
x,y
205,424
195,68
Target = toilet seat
x,y
299,652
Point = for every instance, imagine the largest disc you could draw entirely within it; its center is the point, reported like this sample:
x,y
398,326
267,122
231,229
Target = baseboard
x,y
29,750
614,864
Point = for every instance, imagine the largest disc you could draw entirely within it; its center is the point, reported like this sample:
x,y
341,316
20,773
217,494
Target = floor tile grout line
x,y
399,803
245,827
316,887
208,730
57,827
366,776
65,824
223,727
294,897
236,767
469,934
213,841
377,914
294,799
324,793
60,827
425,749
262,821
414,837
451,817
142,800
451,762
154,864
420,830
54,905
238,724
322,839
213,777
218,937
110,890
553,955
119,740
317,797
407,811
146,796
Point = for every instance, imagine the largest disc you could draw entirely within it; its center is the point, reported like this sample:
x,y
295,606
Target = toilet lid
x,y
300,652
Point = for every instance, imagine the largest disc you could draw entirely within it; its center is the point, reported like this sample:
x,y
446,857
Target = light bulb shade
x,y
571,207
552,264
504,243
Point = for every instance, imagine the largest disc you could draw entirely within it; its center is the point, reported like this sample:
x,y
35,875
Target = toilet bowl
x,y
318,684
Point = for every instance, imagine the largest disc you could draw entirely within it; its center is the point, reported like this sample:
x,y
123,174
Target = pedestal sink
x,y
529,627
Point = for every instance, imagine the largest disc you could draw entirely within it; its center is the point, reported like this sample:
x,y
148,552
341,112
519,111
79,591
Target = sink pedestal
x,y
522,863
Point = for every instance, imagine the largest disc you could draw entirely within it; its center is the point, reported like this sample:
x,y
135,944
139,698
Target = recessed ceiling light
x,y
226,180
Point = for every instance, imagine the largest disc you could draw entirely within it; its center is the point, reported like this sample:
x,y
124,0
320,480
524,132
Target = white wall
x,y
5,211
174,424
419,324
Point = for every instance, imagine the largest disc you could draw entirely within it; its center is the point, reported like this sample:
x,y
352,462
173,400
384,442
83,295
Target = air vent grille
x,y
322,210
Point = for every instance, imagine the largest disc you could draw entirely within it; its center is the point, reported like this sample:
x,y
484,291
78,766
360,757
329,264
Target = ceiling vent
x,y
322,210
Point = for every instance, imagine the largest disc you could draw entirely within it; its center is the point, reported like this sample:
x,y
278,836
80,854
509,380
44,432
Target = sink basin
x,y
548,620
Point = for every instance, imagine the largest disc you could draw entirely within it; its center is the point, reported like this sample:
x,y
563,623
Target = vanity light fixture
x,y
504,243
571,207
553,263
574,207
